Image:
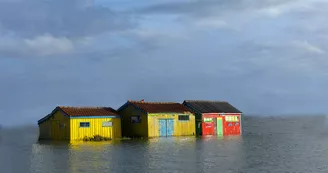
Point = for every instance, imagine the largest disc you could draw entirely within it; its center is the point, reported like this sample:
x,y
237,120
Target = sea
x,y
290,144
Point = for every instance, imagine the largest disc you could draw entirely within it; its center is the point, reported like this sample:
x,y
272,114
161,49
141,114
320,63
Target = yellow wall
x,y
130,129
56,127
78,133
181,128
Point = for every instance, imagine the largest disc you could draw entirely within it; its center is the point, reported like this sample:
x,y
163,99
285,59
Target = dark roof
x,y
205,106
82,111
159,107
88,111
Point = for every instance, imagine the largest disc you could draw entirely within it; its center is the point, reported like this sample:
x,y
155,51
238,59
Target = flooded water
x,y
293,144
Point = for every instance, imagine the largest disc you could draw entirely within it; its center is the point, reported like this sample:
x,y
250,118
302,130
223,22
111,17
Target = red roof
x,y
160,107
88,111
82,111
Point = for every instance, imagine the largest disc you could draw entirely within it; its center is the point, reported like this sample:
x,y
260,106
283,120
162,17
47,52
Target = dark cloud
x,y
258,67
207,7
69,18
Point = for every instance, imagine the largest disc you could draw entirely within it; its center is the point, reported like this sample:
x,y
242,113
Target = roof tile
x,y
208,106
160,107
88,111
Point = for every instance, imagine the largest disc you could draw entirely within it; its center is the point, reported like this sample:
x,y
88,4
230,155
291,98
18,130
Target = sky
x,y
265,57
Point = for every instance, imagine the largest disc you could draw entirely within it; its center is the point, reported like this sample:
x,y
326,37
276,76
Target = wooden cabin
x,y
80,123
215,117
156,119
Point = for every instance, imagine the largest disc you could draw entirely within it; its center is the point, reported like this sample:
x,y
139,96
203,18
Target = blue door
x,y
170,127
162,127
166,127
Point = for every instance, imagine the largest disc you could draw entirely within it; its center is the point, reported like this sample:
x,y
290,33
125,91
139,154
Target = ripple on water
x,y
267,144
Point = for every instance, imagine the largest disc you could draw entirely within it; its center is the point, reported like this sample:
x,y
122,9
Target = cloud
x,y
212,23
150,39
289,6
44,45
212,7
305,46
48,45
59,18
258,55
298,58
209,13
30,28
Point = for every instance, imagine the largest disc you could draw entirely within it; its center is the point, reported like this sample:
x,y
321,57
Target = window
x,y
62,125
208,119
236,118
107,124
183,117
231,118
136,119
84,124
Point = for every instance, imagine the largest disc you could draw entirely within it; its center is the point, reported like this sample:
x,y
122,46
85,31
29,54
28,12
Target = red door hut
x,y
215,117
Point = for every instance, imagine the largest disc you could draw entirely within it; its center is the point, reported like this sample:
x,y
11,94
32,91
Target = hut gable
x,y
205,106
154,119
71,111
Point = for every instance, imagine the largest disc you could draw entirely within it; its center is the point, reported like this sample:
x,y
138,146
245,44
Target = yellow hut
x,y
80,123
155,119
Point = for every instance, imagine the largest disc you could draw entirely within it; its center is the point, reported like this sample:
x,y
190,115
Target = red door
x,y
208,126
232,125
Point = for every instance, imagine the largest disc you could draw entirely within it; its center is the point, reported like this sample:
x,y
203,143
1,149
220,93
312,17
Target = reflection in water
x,y
39,161
178,154
284,145
91,156
170,154
54,159
218,153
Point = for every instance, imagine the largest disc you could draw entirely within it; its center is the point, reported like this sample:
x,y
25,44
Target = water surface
x,y
293,144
